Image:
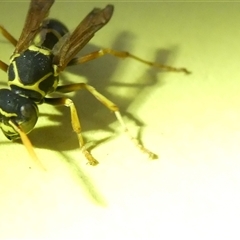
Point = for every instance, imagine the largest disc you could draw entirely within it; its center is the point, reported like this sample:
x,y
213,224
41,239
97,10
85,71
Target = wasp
x,y
44,49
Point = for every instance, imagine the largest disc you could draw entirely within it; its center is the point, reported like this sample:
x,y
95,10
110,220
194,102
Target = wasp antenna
x,y
27,143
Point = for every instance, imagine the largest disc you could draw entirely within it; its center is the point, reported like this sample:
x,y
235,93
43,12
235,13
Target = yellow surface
x,y
191,122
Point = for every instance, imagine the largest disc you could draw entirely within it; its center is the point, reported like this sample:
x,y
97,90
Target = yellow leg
x,y
110,105
123,54
3,66
8,36
75,125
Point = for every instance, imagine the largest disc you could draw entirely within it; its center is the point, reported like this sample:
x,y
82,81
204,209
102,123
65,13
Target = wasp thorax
x,y
32,73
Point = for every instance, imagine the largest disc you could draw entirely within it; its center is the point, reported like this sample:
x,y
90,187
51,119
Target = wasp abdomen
x,y
52,31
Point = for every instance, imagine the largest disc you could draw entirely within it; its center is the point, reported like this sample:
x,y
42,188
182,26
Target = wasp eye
x,y
27,110
29,116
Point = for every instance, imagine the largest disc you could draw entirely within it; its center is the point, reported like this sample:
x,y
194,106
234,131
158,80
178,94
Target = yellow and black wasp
x,y
45,48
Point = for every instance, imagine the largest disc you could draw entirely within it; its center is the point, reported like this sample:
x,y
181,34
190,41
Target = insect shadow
x,y
93,115
98,73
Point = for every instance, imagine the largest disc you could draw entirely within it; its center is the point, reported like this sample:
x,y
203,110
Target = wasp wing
x,y
37,12
71,44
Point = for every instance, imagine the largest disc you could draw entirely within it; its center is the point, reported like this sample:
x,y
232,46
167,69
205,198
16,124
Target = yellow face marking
x,y
7,129
6,114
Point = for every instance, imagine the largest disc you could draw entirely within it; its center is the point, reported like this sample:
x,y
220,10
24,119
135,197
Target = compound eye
x,y
29,116
27,110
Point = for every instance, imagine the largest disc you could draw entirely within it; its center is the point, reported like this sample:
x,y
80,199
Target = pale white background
x,y
191,122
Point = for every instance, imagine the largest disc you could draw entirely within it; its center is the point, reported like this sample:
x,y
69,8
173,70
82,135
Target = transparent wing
x,y
71,44
37,12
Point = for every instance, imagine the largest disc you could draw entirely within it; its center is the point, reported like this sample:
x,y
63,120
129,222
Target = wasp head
x,y
20,111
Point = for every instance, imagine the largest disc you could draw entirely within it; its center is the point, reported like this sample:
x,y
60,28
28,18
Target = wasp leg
x,y
12,40
3,66
8,36
75,124
110,105
123,54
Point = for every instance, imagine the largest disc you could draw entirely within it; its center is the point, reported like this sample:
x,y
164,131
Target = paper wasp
x,y
45,48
